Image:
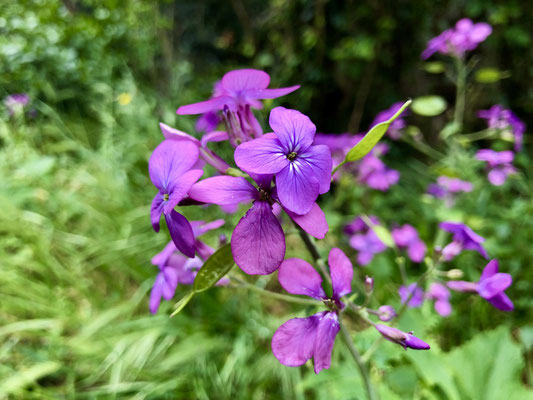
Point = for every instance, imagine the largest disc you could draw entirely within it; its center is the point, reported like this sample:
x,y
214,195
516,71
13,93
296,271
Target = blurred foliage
x,y
75,238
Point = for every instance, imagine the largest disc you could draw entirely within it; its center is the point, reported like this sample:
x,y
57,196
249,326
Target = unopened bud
x,y
222,239
455,274
386,313
369,284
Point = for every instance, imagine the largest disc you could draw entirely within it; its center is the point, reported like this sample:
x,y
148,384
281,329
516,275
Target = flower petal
x,y
243,79
202,107
501,302
161,258
341,271
179,187
297,188
490,269
443,307
156,210
171,283
181,233
297,276
270,93
174,134
314,222
462,286
494,285
294,130
258,242
223,190
294,341
261,156
156,293
417,251
214,136
318,158
327,330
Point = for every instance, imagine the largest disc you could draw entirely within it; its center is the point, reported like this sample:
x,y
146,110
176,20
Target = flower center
x,y
264,195
331,304
165,197
292,155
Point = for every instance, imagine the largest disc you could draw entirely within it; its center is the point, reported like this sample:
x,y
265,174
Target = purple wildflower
x,y
491,286
386,313
258,242
16,102
465,36
407,237
365,240
441,295
412,294
499,164
170,172
300,339
395,129
403,339
505,120
464,238
302,170
339,145
374,173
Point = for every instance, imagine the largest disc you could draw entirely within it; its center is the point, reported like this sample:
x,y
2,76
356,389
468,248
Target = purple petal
x,y
494,285
490,269
462,286
297,276
161,258
258,242
205,106
156,210
318,158
297,189
261,156
245,79
314,222
480,32
214,136
156,293
293,344
223,190
501,302
169,161
181,233
270,93
364,258
417,251
179,187
341,271
328,327
200,227
497,176
174,134
412,292
171,283
451,250
294,130
415,343
443,307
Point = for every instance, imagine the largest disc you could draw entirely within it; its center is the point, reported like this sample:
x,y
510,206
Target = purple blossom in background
x,y
395,129
365,240
447,188
412,294
464,238
403,339
375,174
170,172
16,102
441,295
339,145
258,242
386,313
407,237
465,36
505,120
491,286
302,170
300,339
175,268
499,164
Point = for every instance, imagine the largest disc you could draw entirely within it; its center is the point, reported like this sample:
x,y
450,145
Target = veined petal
x,y
244,79
497,283
294,130
270,93
319,160
294,341
490,269
341,271
314,222
200,227
179,187
156,210
170,160
223,190
181,233
171,283
258,242
214,136
328,327
161,258
502,302
174,134
297,276
297,189
156,293
202,107
261,156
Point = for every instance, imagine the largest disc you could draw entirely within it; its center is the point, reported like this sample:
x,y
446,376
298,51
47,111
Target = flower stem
x,y
359,361
458,115
310,245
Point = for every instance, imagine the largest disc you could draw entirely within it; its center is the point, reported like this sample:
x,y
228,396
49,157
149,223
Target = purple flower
x,y
175,268
403,339
464,238
386,313
366,242
466,36
238,88
412,294
505,120
16,102
302,170
395,129
407,237
300,339
374,173
207,122
491,286
170,172
441,295
258,242
339,145
359,225
499,164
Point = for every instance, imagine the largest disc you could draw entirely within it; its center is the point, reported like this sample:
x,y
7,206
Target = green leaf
x,y
381,232
434,67
214,268
429,106
373,136
180,305
491,75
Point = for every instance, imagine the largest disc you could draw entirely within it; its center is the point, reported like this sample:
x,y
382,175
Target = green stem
x,y
460,93
337,167
359,361
310,245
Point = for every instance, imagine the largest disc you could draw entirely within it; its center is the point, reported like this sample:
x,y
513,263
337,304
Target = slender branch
x,y
359,361
310,245
458,115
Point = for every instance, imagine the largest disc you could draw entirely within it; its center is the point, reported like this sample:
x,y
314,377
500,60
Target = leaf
x,y
214,269
373,136
434,67
429,106
180,305
491,75
381,232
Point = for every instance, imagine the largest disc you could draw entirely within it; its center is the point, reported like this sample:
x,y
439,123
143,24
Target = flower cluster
x,y
447,189
505,121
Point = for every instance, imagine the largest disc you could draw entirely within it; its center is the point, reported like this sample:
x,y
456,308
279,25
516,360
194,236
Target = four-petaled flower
x,y
506,121
302,170
464,238
407,237
300,339
499,164
441,295
412,294
364,239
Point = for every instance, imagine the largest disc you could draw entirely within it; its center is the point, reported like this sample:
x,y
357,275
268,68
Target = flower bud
x,y
369,285
455,274
386,313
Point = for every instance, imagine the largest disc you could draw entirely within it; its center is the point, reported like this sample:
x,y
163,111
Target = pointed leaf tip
x,y
216,266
